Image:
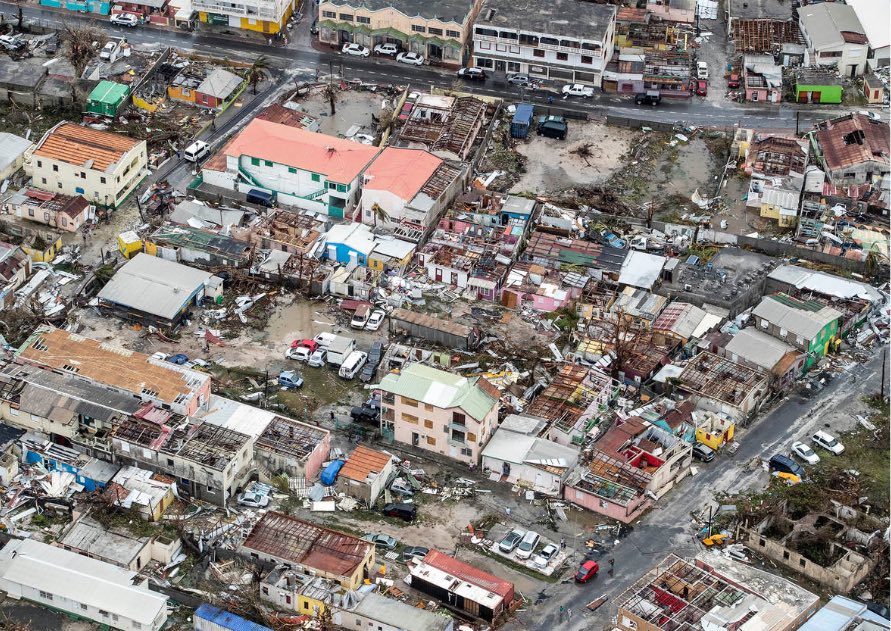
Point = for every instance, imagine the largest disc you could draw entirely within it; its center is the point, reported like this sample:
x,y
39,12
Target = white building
x,y
12,153
264,16
81,586
98,165
563,40
875,17
835,37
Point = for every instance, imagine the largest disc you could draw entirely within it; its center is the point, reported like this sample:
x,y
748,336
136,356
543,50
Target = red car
x,y
701,87
312,345
733,82
587,571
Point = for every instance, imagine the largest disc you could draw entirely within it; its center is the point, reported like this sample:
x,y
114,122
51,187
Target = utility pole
x,y
266,390
884,361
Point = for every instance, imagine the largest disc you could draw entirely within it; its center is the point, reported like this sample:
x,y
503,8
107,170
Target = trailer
x,y
339,349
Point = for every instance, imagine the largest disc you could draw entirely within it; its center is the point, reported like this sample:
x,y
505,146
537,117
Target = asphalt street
x,y
300,58
668,526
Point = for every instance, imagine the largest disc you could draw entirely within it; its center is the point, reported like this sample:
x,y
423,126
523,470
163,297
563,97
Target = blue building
x,y
210,618
84,6
349,243
93,474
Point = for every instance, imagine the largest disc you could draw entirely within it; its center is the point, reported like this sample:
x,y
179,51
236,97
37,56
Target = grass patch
x,y
867,452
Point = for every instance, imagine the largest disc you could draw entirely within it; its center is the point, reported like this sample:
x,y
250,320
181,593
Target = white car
x,y
160,356
701,70
356,50
375,320
108,51
804,452
577,89
319,358
413,59
545,556
828,442
386,49
125,19
300,353
254,500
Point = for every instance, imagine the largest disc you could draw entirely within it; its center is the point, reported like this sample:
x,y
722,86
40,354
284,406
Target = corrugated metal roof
x,y
440,389
220,83
226,620
804,322
78,145
758,347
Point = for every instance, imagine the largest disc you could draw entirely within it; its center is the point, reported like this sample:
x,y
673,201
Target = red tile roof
x,y
79,146
402,172
470,574
853,139
362,462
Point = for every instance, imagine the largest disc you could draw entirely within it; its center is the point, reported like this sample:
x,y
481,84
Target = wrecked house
x,y
146,492
196,247
762,79
62,212
119,547
426,327
289,447
780,362
554,252
531,286
15,268
191,213
852,149
723,386
446,126
205,86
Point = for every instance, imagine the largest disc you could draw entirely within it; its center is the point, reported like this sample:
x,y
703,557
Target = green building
x,y
107,98
808,325
817,86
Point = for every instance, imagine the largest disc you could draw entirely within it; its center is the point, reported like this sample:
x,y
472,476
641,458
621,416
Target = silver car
x,y
511,540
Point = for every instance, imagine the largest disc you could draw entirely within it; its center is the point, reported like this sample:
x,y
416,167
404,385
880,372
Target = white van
x,y
352,364
197,151
527,545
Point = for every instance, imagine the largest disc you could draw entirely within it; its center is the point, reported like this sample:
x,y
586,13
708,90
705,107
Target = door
x,y
815,97
499,66
438,275
415,439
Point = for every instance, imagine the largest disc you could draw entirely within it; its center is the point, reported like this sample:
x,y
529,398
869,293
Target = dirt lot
x,y
352,108
552,165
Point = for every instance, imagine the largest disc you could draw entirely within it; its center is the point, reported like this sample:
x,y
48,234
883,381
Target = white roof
x,y
356,236
79,579
220,83
154,285
393,247
237,416
825,22
11,148
187,209
826,284
875,17
516,448
807,324
757,347
641,269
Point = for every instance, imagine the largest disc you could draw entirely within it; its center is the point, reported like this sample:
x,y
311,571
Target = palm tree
x,y
256,71
379,214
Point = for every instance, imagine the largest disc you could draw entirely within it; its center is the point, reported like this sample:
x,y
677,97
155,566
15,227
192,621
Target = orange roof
x,y
338,160
77,145
403,172
362,462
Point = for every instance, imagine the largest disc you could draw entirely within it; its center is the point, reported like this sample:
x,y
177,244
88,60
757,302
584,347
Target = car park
x,y
124,19
382,541
804,452
472,74
254,500
412,59
701,87
355,50
703,452
587,570
511,540
545,556
318,359
414,552
553,129
527,544
648,98
521,80
405,512
828,442
386,49
289,379
375,320
578,89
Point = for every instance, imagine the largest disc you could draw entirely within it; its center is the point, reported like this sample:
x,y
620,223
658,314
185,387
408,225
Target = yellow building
x,y
416,27
780,205
263,16
43,249
129,244
714,431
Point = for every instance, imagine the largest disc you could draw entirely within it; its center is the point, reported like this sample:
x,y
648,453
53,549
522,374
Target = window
x,y
417,28
102,179
332,185
802,562
342,188
56,168
288,599
46,595
409,402
754,96
428,423
538,53
562,57
762,543
60,185
267,163
136,625
513,66
209,488
549,41
487,32
528,40
482,62
508,35
316,177
587,59
306,605
484,45
347,17
410,418
501,48
31,210
764,323
471,437
329,14
361,19
783,333
431,441
455,34
434,31
170,462
458,418
255,162
44,180
292,170
83,175
39,163
114,617
786,554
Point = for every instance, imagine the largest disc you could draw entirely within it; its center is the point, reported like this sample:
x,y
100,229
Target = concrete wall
x,y
625,514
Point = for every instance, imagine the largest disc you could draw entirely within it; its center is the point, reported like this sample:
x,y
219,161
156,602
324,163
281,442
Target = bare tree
x,y
19,14
80,46
331,95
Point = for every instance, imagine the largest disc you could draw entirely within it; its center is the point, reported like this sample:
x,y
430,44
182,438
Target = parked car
x,y
124,19
578,89
370,368
703,452
300,353
733,81
314,27
648,98
701,70
511,540
360,317
290,379
382,541
784,464
405,512
375,320
828,442
386,49
527,545
702,87
545,556
160,356
415,552
254,500
804,452
472,74
108,51
413,59
12,42
355,50
587,571
364,415
179,359
553,129
521,80
318,359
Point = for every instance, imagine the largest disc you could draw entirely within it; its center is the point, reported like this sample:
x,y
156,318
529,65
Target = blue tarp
x,y
329,475
226,620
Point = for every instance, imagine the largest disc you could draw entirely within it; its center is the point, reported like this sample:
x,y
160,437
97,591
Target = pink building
x,y
439,411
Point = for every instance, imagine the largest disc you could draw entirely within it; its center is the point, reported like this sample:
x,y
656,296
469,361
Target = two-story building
x,y
300,168
263,16
852,149
103,167
438,411
15,268
834,37
562,40
807,325
438,30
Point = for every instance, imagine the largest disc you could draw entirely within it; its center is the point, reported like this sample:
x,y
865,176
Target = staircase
x,y
316,195
250,178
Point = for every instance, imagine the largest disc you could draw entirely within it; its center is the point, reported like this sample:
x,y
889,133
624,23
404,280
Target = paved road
x,y
667,528
299,57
